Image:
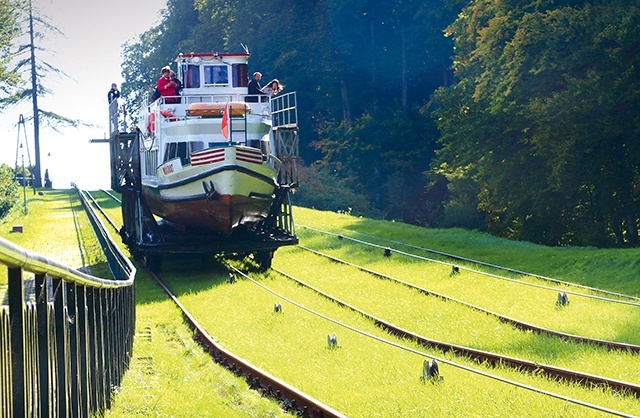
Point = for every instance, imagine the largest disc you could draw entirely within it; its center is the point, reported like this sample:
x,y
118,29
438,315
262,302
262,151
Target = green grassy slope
x,y
616,270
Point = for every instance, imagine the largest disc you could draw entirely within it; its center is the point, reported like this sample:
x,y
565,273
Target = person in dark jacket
x,y
254,86
113,94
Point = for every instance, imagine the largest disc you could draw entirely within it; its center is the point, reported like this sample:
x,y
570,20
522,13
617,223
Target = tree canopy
x,y
357,67
545,118
8,31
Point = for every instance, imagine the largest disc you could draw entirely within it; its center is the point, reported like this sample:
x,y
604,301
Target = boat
x,y
206,157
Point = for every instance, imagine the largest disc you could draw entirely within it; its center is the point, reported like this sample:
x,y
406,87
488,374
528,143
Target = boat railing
x,y
117,117
179,104
284,110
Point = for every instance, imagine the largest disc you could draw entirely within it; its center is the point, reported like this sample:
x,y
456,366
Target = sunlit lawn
x,y
363,377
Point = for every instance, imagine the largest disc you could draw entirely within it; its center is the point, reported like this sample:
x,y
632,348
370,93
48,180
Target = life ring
x,y
168,115
151,124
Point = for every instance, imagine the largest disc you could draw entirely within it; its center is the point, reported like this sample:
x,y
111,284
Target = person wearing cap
x,y
168,87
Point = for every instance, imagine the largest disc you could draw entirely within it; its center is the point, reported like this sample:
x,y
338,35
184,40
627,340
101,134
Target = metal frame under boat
x,y
150,239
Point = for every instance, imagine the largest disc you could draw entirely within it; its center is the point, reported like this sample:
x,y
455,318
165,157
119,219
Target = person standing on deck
x,y
273,87
177,81
113,94
112,98
254,86
167,86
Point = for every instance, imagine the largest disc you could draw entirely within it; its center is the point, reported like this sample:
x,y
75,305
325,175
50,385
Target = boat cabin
x,y
223,73
212,84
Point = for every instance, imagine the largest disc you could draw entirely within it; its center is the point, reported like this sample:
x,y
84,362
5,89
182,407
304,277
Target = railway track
x,y
604,294
479,355
518,324
306,406
290,398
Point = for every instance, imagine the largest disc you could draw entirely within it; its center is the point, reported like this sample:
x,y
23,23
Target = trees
x,y
8,31
29,65
8,190
538,139
545,117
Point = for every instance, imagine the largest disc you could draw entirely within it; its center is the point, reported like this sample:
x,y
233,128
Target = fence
x,y
65,336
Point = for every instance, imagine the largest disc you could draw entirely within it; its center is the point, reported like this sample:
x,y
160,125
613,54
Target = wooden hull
x,y
224,188
219,215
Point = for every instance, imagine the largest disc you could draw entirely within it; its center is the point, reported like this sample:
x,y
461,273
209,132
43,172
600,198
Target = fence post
x,y
42,309
103,370
83,351
16,317
62,350
72,309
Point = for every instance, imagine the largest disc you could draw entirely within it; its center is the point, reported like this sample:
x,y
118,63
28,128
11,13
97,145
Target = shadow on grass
x,y
183,274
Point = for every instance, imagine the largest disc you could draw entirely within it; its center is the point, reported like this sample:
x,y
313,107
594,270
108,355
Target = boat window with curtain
x,y
190,75
240,75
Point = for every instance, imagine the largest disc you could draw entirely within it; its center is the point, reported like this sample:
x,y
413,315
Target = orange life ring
x,y
167,114
151,124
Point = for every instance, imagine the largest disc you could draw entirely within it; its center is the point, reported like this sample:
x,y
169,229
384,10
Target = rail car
x,y
208,171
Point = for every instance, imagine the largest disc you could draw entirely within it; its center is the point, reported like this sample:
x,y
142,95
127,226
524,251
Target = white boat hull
x,y
221,189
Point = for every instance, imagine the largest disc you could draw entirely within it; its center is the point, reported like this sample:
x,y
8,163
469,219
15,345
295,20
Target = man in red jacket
x,y
168,87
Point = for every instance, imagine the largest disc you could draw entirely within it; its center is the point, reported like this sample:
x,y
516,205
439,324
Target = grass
x,y
610,269
535,305
441,320
55,226
169,375
363,377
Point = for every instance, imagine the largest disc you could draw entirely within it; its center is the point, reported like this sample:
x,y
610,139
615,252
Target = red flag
x,y
224,125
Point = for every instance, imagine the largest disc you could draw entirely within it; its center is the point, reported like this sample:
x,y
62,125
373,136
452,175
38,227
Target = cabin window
x,y
240,75
195,146
191,76
171,151
182,153
216,75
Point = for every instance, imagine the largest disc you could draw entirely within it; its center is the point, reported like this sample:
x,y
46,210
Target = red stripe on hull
x,y
206,156
204,161
246,160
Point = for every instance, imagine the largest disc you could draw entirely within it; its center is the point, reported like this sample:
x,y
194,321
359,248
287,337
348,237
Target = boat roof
x,y
182,56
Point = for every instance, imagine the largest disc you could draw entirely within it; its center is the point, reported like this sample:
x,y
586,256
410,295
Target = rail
x,y
66,336
284,110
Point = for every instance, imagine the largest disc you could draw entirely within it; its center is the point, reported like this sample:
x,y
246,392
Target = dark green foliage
x,y
8,31
545,120
8,190
386,156
324,191
361,70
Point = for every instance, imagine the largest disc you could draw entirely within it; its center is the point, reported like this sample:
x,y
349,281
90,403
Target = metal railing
x,y
65,336
284,110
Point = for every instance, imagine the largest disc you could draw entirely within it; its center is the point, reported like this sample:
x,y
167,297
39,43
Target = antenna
x,y
246,48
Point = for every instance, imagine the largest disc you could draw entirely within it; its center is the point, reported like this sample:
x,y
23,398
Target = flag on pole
x,y
224,125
